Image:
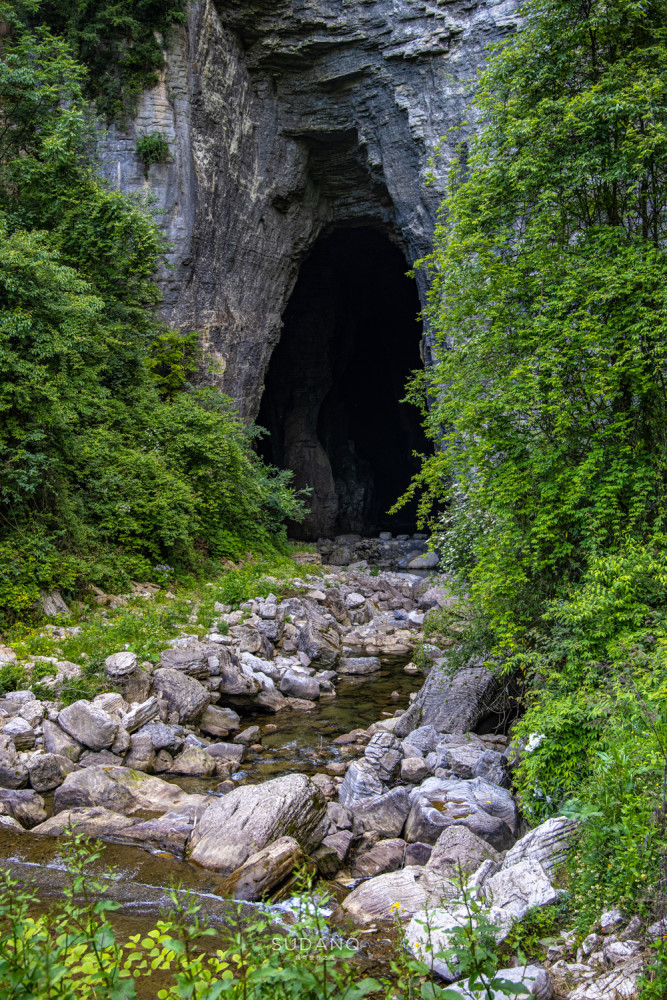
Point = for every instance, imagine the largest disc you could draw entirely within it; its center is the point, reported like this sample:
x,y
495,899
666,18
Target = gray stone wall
x,y
286,119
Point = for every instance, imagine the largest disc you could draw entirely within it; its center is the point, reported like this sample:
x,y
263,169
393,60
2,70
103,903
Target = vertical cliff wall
x,y
289,120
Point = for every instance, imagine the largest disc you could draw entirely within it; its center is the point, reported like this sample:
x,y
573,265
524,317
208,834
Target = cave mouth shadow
x,y
331,403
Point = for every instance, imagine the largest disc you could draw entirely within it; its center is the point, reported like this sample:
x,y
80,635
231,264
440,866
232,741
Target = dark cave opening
x,y
331,403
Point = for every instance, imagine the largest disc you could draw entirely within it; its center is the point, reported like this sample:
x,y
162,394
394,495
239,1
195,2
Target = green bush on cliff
x,y
547,401
110,461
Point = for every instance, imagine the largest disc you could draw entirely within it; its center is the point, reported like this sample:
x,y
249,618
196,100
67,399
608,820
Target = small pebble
x,y
394,695
270,728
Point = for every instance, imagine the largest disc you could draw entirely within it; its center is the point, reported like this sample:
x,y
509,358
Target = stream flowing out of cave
x,y
302,742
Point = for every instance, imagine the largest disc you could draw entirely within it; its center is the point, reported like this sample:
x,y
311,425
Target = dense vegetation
x,y
548,402
110,461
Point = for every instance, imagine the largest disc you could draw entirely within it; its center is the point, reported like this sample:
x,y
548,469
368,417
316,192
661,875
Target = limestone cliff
x,y
288,119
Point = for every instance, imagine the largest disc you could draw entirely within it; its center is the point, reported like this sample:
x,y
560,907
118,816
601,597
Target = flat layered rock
x,y
94,821
547,843
254,816
399,894
451,702
121,790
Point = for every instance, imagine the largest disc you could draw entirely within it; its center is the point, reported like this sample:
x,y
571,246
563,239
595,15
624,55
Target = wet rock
x,y
184,695
361,782
301,705
49,770
227,751
253,816
385,856
400,894
217,721
23,805
88,724
384,753
94,821
414,770
457,849
248,736
385,814
194,762
298,685
547,843
141,755
264,870
451,703
487,810
58,742
169,832
121,790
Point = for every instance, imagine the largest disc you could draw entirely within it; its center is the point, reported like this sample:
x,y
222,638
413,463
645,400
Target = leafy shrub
x,y
152,147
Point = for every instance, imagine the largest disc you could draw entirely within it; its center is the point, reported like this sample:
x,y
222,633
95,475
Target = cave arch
x,y
331,401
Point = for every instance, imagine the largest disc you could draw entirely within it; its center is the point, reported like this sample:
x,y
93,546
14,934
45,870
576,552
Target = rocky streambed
x,y
294,733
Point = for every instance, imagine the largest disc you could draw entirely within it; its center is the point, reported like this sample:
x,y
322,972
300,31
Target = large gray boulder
x,y
218,721
548,844
253,816
88,724
384,753
140,714
358,665
421,741
120,789
321,643
184,695
264,870
458,850
397,894
192,659
13,772
169,832
385,856
58,742
484,808
385,815
94,821
49,770
361,782
23,805
451,702
513,891
297,685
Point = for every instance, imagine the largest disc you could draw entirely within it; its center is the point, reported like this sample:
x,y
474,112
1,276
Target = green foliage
x,y
152,147
111,462
547,401
73,952
120,42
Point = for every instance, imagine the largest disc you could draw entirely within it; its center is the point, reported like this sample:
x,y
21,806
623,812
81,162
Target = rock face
x,y
451,703
251,817
285,120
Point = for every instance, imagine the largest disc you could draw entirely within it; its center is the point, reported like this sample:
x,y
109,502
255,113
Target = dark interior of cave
x,y
331,403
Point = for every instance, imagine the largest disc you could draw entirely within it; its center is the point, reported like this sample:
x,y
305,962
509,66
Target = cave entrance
x,y
331,403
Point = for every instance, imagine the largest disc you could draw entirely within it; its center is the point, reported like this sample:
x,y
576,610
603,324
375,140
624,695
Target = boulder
x,y
547,844
248,736
298,685
320,644
414,770
237,681
93,821
358,665
487,810
140,714
384,753
451,702
60,743
421,741
385,856
385,814
141,755
535,981
194,762
513,891
227,751
264,870
397,894
217,721
122,742
8,823
120,664
111,702
331,854
20,732
379,639
417,854
13,772
23,805
90,758
49,770
88,724
253,816
121,790
191,659
458,849
184,695
163,737
361,782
